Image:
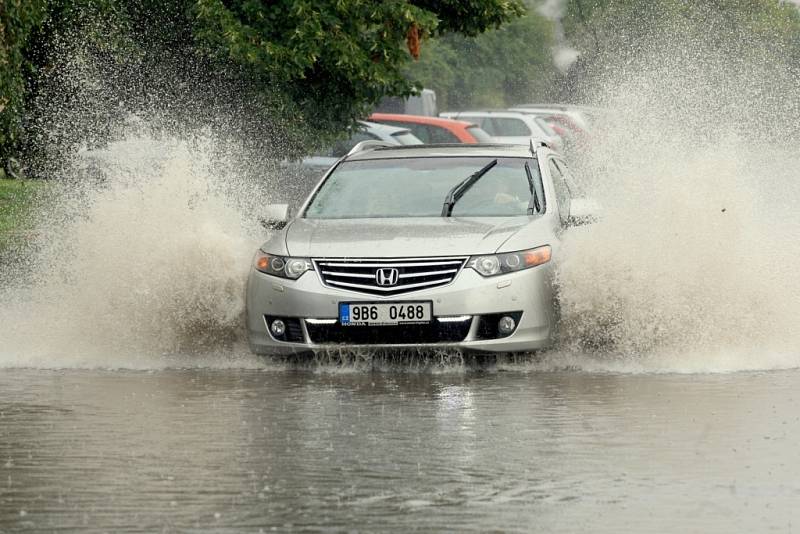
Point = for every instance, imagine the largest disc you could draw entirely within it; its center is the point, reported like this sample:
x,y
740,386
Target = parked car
x,y
564,123
580,116
368,131
435,129
422,104
429,246
509,126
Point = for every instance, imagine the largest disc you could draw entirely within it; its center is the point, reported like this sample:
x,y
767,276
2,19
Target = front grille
x,y
294,332
435,332
387,277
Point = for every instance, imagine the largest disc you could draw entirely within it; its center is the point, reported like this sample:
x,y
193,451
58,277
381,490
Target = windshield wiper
x,y
533,205
462,187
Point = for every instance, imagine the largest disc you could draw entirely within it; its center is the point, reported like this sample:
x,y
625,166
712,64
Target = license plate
x,y
384,313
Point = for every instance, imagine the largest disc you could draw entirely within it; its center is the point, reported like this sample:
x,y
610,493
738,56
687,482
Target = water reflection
x,y
250,450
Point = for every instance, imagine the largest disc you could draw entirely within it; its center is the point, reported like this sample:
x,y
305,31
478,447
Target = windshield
x,y
417,187
406,138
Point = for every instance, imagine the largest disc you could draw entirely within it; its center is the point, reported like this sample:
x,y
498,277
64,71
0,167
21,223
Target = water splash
x,y
696,165
150,261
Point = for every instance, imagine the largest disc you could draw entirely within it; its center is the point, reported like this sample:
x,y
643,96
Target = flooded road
x,y
293,449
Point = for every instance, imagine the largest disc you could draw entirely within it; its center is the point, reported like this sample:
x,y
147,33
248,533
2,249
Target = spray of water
x,y
696,164
148,262
564,55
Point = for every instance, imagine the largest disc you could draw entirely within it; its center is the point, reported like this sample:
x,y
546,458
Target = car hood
x,y
378,238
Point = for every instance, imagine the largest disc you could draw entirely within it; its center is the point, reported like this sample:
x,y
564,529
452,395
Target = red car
x,y
435,129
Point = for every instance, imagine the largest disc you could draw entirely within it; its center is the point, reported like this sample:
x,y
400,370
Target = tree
x,y
336,59
505,66
322,62
18,19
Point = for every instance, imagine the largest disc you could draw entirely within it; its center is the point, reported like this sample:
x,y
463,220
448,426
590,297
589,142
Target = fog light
x,y
278,328
505,325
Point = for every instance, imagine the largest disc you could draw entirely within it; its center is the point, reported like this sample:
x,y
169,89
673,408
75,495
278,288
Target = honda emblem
x,y
387,277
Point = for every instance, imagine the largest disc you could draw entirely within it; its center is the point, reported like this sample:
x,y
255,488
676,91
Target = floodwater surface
x,y
315,449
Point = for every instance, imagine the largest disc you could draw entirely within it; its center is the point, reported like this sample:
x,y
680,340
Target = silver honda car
x,y
421,246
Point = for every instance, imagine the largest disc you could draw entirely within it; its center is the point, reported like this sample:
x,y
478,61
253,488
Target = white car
x,y
579,115
367,131
510,127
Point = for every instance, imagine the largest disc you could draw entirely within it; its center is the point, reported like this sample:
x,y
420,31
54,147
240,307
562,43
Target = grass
x,y
16,201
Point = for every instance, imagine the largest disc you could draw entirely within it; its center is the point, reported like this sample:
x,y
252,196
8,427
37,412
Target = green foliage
x,y
471,17
603,27
334,58
28,32
501,67
16,200
18,19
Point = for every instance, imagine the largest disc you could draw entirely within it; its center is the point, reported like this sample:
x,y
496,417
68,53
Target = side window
x,y
484,122
505,127
574,185
479,134
562,191
442,135
420,131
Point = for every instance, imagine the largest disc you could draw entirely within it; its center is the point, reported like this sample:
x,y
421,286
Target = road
x,y
310,448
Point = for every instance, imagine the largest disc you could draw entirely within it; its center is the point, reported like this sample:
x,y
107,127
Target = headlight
x,y
282,266
493,264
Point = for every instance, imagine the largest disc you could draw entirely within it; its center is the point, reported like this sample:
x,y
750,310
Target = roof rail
x,y
368,144
561,107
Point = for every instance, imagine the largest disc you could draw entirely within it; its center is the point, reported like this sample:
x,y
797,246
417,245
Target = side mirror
x,y
584,211
275,217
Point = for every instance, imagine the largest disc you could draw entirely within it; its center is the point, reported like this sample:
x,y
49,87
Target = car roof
x,y
442,150
421,119
542,111
560,107
503,113
563,107
383,128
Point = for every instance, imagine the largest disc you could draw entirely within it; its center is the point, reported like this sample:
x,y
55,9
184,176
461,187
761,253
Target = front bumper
x,y
527,293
